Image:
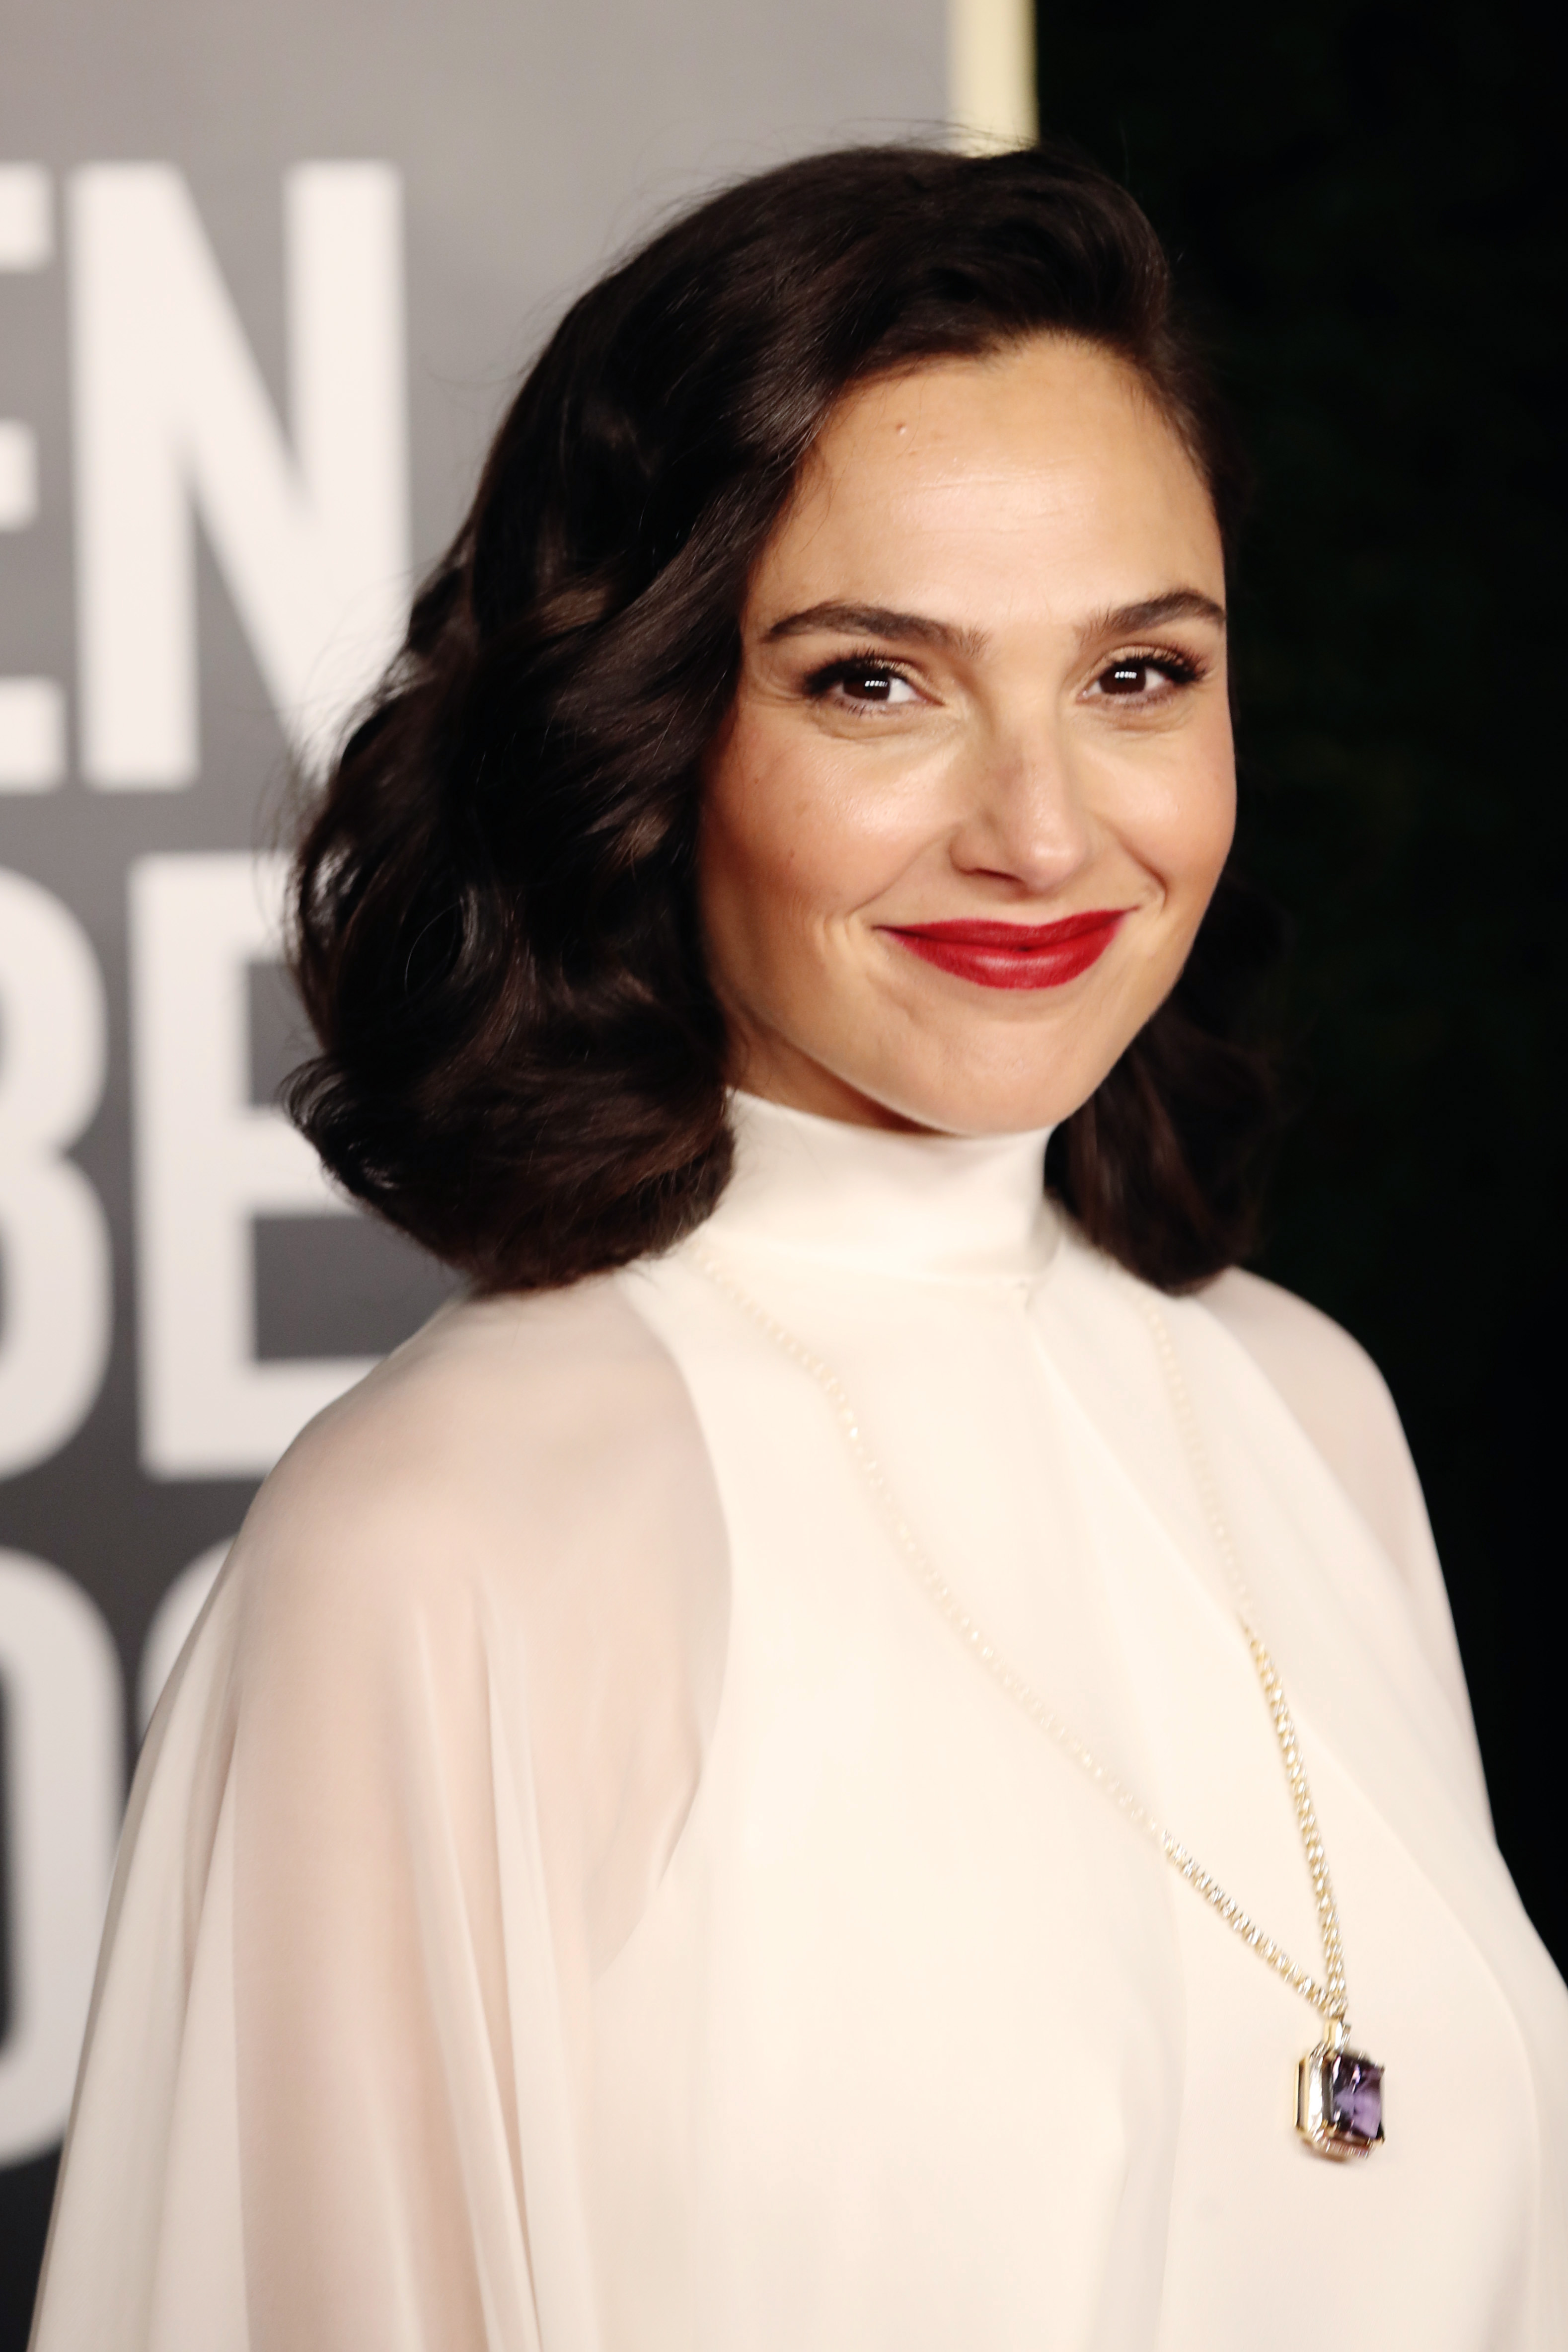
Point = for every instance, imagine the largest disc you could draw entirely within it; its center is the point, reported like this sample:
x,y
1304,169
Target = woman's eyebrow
x,y
1133,620
878,621
882,621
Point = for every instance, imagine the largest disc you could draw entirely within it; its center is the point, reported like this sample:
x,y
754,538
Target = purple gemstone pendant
x,y
1339,2103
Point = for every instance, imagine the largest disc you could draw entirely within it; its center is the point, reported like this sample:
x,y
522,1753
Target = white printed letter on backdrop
x,y
32,710
54,1239
60,1677
208,1161
171,414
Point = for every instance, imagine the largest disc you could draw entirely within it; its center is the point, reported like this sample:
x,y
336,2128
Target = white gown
x,y
579,1894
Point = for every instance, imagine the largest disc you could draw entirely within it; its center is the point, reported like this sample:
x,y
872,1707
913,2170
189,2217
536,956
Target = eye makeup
x,y
1118,680
870,680
872,672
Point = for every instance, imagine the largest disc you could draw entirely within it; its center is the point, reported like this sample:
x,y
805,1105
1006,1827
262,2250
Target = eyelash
x,y
835,673
1179,669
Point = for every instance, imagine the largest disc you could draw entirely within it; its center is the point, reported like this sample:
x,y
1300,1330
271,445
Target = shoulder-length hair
x,y
496,935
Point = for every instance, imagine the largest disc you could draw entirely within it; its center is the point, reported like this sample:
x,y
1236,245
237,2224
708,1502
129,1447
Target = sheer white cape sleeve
x,y
1342,1401
413,1784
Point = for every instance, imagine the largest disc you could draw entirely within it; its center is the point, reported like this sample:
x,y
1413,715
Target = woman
x,y
661,1837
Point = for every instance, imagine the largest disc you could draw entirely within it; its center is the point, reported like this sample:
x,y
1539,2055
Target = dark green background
x,y
1365,205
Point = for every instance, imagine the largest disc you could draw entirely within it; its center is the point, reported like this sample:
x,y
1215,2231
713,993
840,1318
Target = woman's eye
x,y
867,685
1139,677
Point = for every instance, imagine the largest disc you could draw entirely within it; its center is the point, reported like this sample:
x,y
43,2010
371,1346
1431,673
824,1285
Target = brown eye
x,y
1127,677
863,685
1146,677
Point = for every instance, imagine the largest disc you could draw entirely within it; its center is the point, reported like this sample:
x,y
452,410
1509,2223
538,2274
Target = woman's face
x,y
977,785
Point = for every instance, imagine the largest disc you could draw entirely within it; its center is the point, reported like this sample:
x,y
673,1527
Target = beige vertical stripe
x,y
990,72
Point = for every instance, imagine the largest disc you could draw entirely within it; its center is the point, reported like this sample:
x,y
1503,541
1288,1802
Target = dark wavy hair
x,y
495,925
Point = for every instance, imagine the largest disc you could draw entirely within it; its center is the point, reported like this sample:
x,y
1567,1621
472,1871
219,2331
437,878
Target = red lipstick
x,y
1015,955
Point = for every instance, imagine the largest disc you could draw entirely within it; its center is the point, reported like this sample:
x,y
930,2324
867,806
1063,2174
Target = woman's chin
x,y
939,1101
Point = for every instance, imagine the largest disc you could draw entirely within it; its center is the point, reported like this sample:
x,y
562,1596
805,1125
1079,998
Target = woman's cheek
x,y
834,838
1180,825
1213,812
775,859
1214,826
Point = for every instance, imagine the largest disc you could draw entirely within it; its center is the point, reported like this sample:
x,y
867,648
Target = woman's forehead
x,y
1049,460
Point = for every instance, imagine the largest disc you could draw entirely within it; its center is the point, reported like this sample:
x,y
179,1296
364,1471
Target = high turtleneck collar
x,y
885,1202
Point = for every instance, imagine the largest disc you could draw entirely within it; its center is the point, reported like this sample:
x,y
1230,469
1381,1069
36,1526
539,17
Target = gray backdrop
x,y
267,275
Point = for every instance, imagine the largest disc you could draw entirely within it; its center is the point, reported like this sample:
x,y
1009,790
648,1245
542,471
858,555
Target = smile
x,y
1014,955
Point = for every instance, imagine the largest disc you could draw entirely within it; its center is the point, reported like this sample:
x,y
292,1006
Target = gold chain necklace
x,y
1339,2090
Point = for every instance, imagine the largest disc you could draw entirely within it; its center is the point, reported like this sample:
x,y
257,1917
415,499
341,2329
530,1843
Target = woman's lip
x,y
1014,955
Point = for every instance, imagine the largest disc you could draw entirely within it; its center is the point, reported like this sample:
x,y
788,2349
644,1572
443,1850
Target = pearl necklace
x,y
1339,2096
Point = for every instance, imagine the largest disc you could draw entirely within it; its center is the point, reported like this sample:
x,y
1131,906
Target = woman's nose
x,y
1023,816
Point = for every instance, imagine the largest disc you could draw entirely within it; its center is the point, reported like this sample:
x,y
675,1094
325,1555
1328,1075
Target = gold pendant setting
x,y
1339,2102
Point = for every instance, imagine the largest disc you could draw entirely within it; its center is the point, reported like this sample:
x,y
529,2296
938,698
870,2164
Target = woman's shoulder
x,y
501,1415
1327,1379
1326,1376
1340,1399
511,1523
525,1477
